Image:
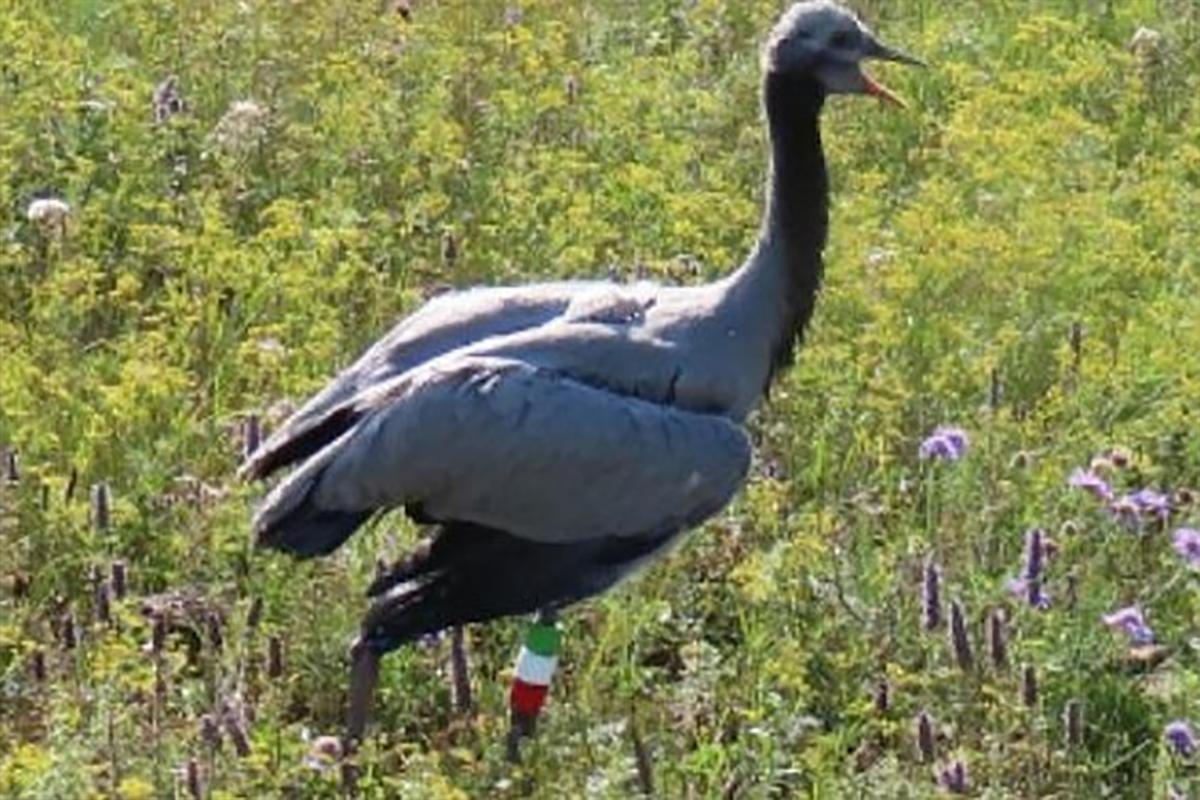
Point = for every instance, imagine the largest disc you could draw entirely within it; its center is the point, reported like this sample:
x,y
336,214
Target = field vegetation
x,y
206,208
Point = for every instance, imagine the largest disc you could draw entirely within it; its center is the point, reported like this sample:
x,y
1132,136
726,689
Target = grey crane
x,y
559,435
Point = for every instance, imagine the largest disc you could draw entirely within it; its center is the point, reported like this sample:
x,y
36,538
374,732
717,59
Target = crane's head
x,y
826,41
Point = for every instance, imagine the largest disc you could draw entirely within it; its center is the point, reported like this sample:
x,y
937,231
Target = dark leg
x,y
460,672
364,674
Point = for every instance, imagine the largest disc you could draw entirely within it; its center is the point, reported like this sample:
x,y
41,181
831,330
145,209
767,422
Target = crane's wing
x,y
440,326
503,444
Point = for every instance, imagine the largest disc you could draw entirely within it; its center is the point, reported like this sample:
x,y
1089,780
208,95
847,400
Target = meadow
x,y
248,193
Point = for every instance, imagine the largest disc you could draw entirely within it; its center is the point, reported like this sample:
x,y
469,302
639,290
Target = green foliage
x,y
222,259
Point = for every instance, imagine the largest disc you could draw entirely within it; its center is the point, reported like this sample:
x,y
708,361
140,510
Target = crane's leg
x,y
364,674
460,672
531,678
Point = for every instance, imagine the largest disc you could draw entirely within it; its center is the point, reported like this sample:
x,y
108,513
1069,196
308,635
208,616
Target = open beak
x,y
878,50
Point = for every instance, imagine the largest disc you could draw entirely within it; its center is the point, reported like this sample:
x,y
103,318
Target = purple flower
x,y
1090,482
1132,509
953,777
945,444
1152,503
1030,591
1181,738
1132,623
1186,542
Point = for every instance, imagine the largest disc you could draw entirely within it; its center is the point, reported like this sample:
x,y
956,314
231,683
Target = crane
x,y
560,435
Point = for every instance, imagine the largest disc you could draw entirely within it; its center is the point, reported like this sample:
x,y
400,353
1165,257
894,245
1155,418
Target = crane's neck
x,y
775,291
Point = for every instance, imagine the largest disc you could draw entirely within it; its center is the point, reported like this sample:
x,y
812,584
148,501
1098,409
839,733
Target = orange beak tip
x,y
876,89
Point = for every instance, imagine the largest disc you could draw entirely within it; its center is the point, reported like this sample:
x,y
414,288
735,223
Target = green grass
x,y
1045,177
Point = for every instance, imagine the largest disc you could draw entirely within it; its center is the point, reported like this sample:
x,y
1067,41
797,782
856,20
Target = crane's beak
x,y
878,50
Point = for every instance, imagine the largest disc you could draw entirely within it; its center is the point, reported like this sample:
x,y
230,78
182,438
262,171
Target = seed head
x,y
998,639
101,503
274,658
11,472
925,742
254,614
931,595
49,214
158,633
215,635
953,777
960,639
210,732
1073,722
101,604
1029,686
235,727
251,435
70,637
118,577
883,696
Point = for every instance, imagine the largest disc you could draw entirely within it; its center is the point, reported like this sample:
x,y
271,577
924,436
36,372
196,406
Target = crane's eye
x,y
840,39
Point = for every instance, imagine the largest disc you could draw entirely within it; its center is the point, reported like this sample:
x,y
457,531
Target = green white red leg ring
x,y
535,669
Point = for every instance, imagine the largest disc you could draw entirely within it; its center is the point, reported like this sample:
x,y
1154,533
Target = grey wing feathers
x,y
441,325
503,444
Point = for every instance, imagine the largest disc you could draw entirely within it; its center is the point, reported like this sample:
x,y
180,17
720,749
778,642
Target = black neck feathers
x,y
797,216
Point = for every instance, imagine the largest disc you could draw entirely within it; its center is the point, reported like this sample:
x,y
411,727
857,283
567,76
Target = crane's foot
x,y
531,679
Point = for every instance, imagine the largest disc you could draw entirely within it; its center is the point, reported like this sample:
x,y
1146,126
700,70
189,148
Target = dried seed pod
x,y
210,732
101,605
72,483
251,435
118,577
254,614
101,507
20,586
1029,685
998,639
960,639
37,665
1073,722
925,741
1072,592
1075,339
158,633
931,595
235,727
274,658
195,786
449,248
882,696
67,631
12,474
215,635
572,88
995,390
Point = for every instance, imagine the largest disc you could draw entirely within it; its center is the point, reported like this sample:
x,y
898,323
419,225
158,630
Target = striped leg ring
x,y
535,669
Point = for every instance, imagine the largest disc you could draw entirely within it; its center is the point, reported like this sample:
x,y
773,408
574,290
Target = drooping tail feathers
x,y
289,519
286,448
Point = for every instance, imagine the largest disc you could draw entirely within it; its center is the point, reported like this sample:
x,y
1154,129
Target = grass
x,y
1015,255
